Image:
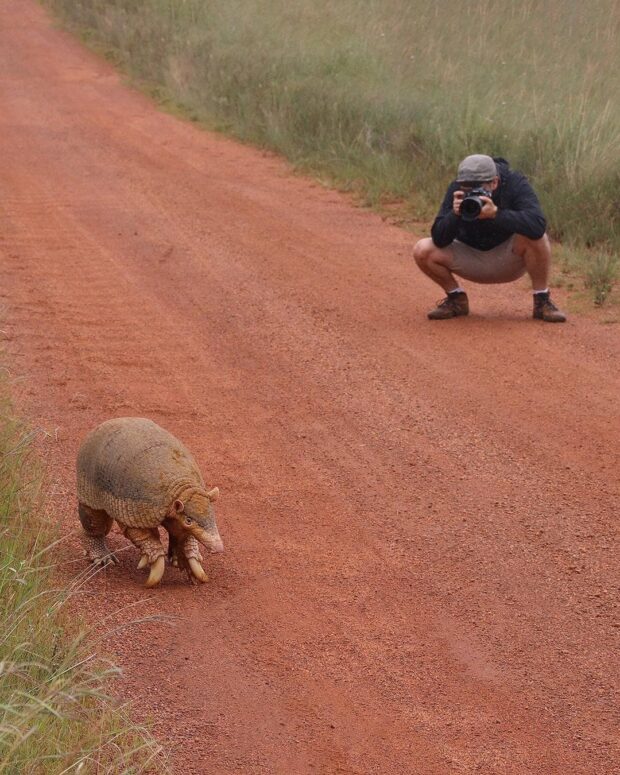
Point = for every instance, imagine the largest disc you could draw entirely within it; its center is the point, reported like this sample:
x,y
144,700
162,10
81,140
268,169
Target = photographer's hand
x,y
456,202
489,208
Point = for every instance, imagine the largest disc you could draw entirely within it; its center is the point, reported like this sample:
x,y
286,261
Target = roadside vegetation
x,y
384,97
56,716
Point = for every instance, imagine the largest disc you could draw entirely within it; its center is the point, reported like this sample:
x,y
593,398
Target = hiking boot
x,y
453,306
545,309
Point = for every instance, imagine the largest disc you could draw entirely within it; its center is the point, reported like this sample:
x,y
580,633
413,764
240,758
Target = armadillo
x,y
133,471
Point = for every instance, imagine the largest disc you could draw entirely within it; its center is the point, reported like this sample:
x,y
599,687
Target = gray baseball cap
x,y
477,168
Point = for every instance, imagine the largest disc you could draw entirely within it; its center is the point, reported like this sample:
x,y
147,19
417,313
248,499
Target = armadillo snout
x,y
217,547
211,540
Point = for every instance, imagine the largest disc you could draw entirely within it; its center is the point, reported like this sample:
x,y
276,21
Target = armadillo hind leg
x,y
175,536
96,524
151,550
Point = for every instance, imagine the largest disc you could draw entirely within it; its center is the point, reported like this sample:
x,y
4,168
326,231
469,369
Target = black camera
x,y
471,204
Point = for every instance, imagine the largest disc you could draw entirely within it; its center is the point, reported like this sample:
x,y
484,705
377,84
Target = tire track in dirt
x,y
420,520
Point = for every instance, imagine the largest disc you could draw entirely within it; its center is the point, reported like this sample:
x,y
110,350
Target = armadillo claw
x,y
102,560
157,571
197,569
144,561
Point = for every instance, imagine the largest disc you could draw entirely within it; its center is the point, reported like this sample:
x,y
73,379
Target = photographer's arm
x,y
446,224
526,217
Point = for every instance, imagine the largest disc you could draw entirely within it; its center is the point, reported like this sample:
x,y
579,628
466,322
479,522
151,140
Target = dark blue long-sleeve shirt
x,y
519,212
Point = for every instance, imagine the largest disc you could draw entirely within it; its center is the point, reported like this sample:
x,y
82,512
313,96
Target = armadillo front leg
x,y
151,550
184,551
97,524
192,560
144,558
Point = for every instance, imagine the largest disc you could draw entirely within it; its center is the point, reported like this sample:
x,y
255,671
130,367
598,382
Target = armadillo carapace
x,y
132,471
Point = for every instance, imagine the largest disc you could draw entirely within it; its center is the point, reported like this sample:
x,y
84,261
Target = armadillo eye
x,y
188,520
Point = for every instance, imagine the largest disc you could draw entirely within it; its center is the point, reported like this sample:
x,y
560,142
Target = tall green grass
x,y
55,713
386,96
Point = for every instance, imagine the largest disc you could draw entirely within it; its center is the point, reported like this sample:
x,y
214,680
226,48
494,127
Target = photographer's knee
x,y
422,250
541,246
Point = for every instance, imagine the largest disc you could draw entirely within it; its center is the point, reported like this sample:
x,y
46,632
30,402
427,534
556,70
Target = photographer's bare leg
x,y
536,255
436,264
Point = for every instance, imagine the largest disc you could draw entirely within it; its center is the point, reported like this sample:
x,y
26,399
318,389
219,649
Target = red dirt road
x,y
421,572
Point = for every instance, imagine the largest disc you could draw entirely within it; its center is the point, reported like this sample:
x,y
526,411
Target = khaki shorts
x,y
498,265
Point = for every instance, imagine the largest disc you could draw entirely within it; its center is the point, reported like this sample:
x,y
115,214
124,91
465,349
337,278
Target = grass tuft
x,y
601,275
56,715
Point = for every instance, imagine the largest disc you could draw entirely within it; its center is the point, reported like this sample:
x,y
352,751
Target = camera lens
x,y
471,207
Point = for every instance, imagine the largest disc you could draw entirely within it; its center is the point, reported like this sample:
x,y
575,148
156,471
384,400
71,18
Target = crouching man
x,y
490,229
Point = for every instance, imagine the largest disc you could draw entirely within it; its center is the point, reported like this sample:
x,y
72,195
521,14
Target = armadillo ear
x,y
178,506
213,494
